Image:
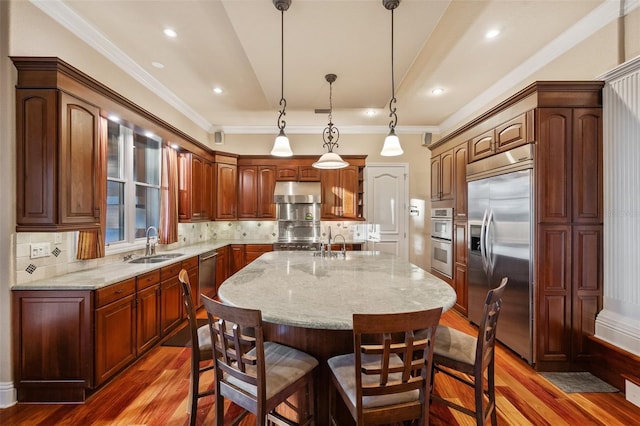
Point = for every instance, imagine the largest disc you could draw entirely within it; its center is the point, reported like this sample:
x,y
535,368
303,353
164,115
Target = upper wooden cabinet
x,y
195,188
514,132
298,172
226,187
255,192
59,173
442,176
342,193
460,181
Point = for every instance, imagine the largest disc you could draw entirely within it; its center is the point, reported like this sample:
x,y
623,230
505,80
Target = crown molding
x,y
311,130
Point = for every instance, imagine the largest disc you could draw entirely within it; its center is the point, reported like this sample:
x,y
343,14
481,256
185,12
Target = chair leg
x,y
192,401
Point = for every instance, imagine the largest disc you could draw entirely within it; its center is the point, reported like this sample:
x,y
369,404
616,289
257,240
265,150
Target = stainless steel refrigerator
x,y
500,221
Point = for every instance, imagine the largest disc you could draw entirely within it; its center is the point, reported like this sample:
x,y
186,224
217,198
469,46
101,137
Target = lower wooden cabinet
x,y
69,342
148,311
115,329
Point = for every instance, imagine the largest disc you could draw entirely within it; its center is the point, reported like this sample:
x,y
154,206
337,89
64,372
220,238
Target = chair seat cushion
x,y
456,345
204,338
343,368
283,366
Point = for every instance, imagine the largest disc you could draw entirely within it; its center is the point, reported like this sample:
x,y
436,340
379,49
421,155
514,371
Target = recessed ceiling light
x,y
492,33
370,112
437,91
217,90
169,32
158,65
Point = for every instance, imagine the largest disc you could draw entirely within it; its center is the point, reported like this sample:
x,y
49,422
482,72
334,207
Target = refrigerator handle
x,y
483,248
488,246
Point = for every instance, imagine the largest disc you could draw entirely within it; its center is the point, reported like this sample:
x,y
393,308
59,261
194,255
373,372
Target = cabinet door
x,y
115,338
511,134
226,191
460,181
148,317
80,176
254,251
247,192
53,345
237,260
222,266
330,183
197,188
36,141
184,187
435,178
266,208
460,269
171,304
287,173
553,273
308,174
349,192
208,193
481,146
587,165
446,177
553,162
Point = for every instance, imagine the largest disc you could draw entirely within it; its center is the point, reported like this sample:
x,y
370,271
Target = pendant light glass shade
x,y
330,160
281,147
391,145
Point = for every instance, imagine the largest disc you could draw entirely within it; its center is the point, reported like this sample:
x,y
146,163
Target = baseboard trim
x,y
610,363
8,395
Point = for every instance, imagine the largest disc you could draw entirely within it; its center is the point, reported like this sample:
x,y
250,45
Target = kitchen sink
x,y
156,258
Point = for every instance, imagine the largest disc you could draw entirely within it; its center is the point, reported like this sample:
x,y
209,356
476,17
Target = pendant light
x,y
281,147
330,159
391,145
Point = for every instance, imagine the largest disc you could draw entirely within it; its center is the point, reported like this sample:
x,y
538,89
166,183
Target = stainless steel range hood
x,y
297,192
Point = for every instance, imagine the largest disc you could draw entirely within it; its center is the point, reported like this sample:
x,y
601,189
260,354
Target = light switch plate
x,y
39,250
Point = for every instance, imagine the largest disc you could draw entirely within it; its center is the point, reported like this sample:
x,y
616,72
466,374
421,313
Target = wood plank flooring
x,y
154,392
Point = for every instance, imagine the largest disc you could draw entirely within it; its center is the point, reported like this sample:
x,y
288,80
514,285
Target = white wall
x,y
7,208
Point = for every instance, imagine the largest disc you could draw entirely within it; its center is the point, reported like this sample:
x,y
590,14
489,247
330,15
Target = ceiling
x,y
235,44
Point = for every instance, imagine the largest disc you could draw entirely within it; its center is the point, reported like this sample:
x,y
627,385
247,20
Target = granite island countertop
x,y
302,290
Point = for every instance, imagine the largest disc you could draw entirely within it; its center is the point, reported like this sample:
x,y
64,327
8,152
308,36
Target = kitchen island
x,y
307,301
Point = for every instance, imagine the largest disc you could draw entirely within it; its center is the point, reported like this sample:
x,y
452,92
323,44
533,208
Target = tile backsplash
x,y
62,245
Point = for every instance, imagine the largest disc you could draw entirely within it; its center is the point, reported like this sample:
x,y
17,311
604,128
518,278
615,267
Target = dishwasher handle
x,y
208,256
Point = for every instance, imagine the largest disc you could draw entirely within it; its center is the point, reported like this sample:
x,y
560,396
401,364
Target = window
x,y
133,184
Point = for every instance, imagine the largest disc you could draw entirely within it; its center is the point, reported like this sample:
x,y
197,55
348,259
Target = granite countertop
x,y
303,290
111,273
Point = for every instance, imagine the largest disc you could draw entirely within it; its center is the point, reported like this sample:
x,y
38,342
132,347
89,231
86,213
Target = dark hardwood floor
x,y
154,392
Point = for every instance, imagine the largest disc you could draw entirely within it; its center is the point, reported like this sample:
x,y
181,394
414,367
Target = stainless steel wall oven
x,y
442,240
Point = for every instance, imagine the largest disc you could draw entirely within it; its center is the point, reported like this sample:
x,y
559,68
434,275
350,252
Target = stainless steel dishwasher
x,y
207,273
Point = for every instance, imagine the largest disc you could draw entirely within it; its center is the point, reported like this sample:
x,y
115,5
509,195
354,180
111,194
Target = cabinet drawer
x,y
170,271
259,248
148,279
190,263
114,292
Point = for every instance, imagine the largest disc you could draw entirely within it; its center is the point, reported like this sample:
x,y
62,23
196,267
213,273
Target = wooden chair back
x,y
403,363
485,349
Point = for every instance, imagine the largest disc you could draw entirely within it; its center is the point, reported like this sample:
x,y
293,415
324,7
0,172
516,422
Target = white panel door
x,y
386,201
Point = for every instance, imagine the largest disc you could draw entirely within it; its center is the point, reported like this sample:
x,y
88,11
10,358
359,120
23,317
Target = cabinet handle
x,y
119,291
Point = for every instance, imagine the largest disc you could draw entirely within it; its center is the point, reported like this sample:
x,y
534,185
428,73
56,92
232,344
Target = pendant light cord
x,y
283,102
392,102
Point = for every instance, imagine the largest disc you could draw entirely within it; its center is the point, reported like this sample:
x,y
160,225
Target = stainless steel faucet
x,y
329,242
151,247
344,244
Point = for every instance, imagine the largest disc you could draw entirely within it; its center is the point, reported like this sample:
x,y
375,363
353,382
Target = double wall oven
x,y
442,240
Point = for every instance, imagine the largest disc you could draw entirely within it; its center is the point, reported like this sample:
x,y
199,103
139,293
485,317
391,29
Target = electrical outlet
x,y
40,250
